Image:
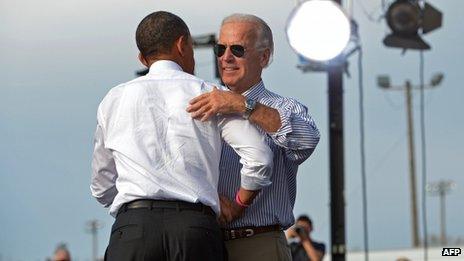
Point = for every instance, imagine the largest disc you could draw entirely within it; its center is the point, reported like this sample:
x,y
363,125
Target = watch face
x,y
250,106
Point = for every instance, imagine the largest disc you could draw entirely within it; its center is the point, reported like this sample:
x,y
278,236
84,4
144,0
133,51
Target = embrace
x,y
196,171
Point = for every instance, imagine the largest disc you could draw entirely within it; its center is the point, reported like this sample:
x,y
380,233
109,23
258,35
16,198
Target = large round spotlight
x,y
403,17
318,29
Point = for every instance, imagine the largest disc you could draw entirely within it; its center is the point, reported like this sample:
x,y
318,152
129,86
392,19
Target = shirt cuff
x,y
254,183
285,121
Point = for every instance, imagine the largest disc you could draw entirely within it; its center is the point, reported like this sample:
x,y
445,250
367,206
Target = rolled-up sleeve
x,y
255,155
104,174
298,133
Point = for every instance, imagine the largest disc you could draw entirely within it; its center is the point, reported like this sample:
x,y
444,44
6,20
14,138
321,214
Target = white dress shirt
x,y
148,147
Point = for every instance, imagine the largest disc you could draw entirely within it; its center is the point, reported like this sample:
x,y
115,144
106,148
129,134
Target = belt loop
x,y
178,206
151,205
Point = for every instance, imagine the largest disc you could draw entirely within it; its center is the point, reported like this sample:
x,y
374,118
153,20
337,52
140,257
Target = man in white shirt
x,y
157,168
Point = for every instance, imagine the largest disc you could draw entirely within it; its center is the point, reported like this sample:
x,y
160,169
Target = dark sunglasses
x,y
237,50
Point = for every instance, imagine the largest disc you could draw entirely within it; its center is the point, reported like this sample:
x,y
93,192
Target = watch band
x,y
250,105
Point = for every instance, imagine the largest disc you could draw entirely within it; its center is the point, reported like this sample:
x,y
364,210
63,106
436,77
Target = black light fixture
x,y
406,18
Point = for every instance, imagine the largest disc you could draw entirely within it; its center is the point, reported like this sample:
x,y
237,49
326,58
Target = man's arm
x,y
298,133
226,102
257,161
104,172
288,124
313,253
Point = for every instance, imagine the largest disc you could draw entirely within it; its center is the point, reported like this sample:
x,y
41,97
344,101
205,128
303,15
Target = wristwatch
x,y
250,105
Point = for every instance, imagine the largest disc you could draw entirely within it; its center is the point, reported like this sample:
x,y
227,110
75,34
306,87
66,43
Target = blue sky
x,y
59,58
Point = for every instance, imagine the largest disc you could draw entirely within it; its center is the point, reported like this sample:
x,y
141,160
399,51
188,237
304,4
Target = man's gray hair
x,y
263,31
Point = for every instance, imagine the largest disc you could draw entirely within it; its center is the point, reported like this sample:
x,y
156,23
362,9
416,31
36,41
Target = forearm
x,y
311,252
247,196
255,155
104,197
266,118
104,173
102,184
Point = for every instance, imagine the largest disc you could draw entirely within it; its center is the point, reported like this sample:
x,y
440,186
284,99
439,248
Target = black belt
x,y
244,232
166,204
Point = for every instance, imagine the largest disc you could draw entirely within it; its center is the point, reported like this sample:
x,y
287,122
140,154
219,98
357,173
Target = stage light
x,y
406,18
383,81
436,79
318,30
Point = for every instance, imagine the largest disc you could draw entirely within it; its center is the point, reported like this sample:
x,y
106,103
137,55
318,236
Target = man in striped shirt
x,y
254,229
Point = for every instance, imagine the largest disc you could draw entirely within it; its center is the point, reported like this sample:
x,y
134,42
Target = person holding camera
x,y
302,246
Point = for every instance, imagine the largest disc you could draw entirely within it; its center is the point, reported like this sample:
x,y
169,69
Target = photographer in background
x,y
302,246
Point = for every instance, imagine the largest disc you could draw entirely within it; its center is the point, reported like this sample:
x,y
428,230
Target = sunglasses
x,y
237,50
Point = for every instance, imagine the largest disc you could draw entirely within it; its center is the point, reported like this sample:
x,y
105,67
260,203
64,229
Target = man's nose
x,y
228,56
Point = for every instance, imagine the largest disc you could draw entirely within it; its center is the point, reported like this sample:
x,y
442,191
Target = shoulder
x,y
319,246
209,86
112,96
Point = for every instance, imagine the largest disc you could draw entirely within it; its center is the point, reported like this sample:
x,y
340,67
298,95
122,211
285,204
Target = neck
x,y
167,57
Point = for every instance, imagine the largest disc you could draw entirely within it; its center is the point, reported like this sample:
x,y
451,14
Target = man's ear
x,y
181,44
143,60
265,56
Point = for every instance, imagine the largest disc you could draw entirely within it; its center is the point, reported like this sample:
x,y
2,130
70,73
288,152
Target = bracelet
x,y
239,201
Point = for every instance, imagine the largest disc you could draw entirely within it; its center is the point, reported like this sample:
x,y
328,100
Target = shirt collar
x,y
165,65
255,91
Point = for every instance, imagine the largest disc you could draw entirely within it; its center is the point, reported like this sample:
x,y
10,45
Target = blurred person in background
x,y
301,243
61,253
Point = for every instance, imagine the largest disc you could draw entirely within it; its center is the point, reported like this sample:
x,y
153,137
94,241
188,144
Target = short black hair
x,y
157,33
305,218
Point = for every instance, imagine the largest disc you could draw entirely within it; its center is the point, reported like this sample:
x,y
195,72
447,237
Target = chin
x,y
228,82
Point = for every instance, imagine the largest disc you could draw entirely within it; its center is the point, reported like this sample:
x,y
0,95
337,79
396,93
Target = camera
x,y
299,229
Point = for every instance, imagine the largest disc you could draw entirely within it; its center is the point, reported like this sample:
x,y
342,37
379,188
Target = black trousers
x,y
168,234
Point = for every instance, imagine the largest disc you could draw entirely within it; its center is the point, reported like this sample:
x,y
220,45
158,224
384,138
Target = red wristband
x,y
239,201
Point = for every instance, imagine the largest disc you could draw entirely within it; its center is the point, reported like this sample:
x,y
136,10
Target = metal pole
x,y
442,215
412,167
94,230
336,151
441,188
93,226
337,190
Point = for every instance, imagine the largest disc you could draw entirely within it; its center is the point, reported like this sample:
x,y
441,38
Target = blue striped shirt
x,y
292,144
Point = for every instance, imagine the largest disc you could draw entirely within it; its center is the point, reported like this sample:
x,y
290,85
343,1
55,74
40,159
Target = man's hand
x,y
209,104
299,232
291,233
229,210
302,234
